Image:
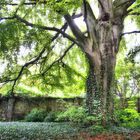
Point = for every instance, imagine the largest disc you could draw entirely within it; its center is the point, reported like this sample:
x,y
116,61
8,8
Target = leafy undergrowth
x,y
62,131
37,131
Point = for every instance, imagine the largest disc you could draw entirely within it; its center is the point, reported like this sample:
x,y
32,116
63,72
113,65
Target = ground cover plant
x,y
65,131
45,50
36,131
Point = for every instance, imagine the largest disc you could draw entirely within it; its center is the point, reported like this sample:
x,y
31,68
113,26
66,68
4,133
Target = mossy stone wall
x,y
24,105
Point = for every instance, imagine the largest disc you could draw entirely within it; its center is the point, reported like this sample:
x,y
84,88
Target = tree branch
x,y
46,28
121,7
90,21
75,30
128,33
101,4
25,3
64,27
134,14
5,18
120,3
59,59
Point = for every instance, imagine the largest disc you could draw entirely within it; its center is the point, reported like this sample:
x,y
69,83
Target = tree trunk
x,y
102,61
99,99
138,104
91,88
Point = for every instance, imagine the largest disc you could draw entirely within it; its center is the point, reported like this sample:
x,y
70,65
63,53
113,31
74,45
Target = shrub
x,y
96,129
128,115
90,120
51,117
132,125
73,114
36,115
77,115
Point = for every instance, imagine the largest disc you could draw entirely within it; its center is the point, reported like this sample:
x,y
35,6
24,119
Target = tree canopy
x,y
38,49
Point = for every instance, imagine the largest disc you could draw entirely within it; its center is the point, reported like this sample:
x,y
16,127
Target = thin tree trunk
x,y
138,104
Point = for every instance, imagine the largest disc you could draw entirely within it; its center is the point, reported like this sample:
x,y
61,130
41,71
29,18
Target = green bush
x,y
77,115
36,115
128,115
97,129
51,117
90,120
132,125
73,114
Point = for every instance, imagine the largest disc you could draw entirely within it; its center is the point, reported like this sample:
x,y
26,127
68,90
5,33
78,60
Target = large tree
x,y
99,41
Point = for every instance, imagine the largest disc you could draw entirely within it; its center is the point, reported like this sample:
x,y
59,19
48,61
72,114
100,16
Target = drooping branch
x,y
5,80
46,28
134,14
59,59
25,3
33,61
41,27
26,65
5,18
134,8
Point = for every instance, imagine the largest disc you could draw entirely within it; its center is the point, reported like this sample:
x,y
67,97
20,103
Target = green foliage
x,y
63,6
136,9
36,115
36,131
128,115
51,117
96,129
19,44
73,114
10,29
120,130
132,125
133,53
132,103
77,115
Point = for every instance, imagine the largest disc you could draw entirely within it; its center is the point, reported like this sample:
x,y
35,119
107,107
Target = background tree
x,y
25,22
127,76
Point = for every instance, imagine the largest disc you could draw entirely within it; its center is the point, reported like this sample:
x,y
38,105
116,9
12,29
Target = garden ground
x,y
62,131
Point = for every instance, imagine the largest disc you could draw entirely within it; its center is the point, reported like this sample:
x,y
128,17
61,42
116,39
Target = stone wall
x,y
23,105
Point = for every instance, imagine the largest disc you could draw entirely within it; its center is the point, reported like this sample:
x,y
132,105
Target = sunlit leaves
x,y
136,12
9,36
